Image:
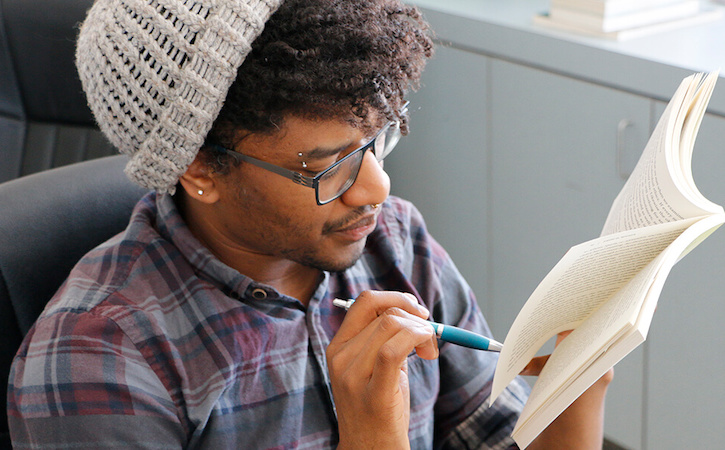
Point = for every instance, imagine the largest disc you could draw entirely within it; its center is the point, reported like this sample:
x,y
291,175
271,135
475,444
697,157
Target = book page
x,y
660,188
607,289
611,333
591,339
586,277
687,137
525,433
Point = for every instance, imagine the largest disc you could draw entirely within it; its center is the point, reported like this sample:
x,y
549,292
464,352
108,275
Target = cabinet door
x,y
441,165
554,176
686,356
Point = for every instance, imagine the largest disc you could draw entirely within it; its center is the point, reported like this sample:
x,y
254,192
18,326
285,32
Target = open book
x,y
607,289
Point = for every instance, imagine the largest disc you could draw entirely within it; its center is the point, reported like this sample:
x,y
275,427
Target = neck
x,y
287,277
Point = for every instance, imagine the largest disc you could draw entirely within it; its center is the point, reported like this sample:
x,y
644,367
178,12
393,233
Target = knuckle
x,y
336,363
389,320
365,297
388,354
609,376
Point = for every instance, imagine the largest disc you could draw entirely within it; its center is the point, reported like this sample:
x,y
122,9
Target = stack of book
x,y
621,19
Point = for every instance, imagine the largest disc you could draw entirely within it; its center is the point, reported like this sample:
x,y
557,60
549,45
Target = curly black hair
x,y
327,59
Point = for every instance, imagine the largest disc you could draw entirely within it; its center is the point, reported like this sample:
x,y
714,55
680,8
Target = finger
x,y
391,329
391,357
534,367
560,337
371,304
427,349
360,352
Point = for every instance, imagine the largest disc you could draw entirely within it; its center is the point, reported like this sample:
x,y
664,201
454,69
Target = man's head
x,y
321,80
156,73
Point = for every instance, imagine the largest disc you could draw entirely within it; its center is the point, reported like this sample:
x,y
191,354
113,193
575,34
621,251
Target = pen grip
x,y
460,336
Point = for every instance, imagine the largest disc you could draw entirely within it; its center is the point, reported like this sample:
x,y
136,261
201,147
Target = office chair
x,y
48,221
44,119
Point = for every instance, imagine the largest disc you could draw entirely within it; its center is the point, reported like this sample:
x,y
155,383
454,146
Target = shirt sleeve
x,y
490,427
79,382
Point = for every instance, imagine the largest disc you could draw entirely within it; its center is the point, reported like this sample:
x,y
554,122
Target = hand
x,y
581,425
536,365
368,365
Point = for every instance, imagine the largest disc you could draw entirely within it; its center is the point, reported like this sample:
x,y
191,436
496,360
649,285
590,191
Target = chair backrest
x,y
45,121
48,221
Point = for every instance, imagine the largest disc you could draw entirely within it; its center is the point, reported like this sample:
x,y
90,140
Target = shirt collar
x,y
171,226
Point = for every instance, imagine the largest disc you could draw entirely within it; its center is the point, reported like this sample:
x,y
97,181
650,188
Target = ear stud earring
x,y
200,192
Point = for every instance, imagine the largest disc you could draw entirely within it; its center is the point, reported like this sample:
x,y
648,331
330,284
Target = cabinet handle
x,y
624,170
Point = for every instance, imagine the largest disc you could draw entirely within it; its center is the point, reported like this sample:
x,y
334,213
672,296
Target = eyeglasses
x,y
334,181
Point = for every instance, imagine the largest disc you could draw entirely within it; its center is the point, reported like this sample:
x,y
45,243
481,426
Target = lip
x,y
359,229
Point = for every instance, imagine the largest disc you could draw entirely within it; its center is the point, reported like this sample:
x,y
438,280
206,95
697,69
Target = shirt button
x,y
259,294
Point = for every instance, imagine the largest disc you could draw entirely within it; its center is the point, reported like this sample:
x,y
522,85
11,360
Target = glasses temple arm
x,y
292,175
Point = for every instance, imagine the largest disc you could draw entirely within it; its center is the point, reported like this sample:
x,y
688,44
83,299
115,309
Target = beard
x,y
287,236
311,258
319,259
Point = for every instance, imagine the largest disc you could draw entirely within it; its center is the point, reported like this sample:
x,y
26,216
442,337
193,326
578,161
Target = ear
x,y
199,182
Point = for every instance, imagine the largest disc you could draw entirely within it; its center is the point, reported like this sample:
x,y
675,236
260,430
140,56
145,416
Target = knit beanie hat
x,y
156,73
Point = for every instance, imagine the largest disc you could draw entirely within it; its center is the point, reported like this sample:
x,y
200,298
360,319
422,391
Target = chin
x,y
337,265
343,261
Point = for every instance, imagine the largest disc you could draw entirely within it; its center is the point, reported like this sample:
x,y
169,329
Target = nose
x,y
372,185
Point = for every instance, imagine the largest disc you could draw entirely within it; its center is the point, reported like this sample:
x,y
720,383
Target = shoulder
x,y
403,229
399,216
139,260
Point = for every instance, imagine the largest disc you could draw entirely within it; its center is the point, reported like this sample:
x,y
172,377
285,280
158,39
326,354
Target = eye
x,y
333,171
313,170
327,163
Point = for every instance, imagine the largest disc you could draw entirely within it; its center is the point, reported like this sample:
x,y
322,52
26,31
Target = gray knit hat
x,y
156,73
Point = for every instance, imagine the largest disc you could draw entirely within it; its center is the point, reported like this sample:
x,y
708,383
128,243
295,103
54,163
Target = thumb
x,y
533,368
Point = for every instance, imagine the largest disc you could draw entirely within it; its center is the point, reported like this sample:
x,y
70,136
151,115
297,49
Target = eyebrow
x,y
322,153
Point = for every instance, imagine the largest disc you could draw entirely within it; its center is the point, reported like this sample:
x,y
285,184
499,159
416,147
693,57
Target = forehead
x,y
313,137
371,120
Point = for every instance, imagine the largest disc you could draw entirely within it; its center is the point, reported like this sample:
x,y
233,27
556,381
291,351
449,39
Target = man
x,y
209,322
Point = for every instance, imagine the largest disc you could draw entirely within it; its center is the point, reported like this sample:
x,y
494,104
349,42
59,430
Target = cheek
x,y
273,207
280,187
281,206
255,189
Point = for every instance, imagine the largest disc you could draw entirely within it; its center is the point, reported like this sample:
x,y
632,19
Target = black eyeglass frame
x,y
314,181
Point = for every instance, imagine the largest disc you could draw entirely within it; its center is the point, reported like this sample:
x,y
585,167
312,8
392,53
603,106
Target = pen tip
x,y
495,346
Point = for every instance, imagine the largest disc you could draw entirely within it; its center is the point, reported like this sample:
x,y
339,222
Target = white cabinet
x,y
686,346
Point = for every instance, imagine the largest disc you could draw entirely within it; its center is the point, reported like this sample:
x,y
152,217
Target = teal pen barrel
x,y
461,337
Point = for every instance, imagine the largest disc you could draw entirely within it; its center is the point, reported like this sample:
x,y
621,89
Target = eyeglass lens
x,y
339,178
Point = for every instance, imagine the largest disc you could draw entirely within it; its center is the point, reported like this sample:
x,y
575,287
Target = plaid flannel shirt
x,y
152,342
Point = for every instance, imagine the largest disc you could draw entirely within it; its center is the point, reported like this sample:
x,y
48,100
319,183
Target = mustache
x,y
347,220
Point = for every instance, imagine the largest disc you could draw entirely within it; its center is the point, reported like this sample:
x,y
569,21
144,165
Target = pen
x,y
448,333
